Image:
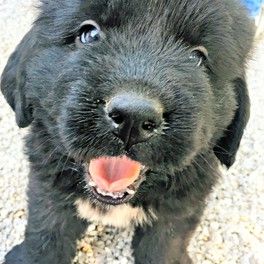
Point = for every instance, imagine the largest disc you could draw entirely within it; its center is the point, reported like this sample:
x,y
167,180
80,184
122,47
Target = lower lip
x,y
110,200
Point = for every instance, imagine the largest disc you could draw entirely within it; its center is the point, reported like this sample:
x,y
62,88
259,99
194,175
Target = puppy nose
x,y
134,119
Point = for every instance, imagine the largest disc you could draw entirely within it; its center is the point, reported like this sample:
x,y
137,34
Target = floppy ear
x,y
227,146
13,80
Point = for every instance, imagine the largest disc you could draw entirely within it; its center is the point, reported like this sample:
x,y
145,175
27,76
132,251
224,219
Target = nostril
x,y
116,117
166,116
149,126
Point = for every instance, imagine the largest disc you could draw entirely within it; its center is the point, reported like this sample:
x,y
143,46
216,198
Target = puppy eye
x,y
89,32
198,55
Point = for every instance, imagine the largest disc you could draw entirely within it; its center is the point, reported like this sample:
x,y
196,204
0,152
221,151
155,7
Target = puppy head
x,y
147,84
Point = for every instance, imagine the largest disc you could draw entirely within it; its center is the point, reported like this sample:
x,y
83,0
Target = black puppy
x,y
132,104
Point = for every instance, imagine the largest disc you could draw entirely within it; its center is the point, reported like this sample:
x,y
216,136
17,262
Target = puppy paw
x,y
15,256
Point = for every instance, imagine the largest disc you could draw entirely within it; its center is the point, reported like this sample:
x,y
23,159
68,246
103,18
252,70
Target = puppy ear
x,y
227,146
13,80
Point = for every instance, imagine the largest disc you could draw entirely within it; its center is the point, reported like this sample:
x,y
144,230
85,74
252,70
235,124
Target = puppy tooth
x,y
98,190
129,191
112,195
92,184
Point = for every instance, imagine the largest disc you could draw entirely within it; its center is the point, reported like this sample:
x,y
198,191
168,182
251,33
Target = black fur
x,y
59,87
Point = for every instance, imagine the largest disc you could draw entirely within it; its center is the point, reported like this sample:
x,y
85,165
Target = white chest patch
x,y
120,216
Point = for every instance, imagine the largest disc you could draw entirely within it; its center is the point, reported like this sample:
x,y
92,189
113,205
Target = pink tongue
x,y
114,174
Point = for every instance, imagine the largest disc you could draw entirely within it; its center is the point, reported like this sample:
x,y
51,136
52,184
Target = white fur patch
x,y
120,216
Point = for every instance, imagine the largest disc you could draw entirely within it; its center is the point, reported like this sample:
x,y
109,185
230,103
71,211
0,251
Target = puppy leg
x,y
165,242
51,232
15,256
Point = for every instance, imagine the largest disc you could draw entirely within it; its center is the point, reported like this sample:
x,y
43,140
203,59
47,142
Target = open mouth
x,y
114,180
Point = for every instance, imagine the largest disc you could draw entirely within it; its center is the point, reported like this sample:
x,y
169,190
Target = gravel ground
x,y
232,229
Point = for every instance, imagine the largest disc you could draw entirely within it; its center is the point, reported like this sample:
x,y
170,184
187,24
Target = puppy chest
x,y
119,216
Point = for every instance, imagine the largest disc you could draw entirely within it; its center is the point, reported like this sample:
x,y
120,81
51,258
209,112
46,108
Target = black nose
x,y
134,119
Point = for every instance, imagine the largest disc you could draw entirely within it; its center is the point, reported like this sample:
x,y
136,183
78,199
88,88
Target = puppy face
x,y
146,85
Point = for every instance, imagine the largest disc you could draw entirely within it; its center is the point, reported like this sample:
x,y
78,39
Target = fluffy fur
x,y
59,88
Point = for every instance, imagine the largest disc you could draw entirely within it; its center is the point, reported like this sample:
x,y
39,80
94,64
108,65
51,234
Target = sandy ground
x,y
232,230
